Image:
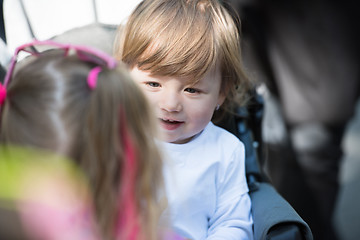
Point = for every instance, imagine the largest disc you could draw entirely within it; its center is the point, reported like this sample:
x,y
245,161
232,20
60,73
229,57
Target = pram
x,y
274,217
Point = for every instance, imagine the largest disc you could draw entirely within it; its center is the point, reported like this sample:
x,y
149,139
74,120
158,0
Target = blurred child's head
x,y
39,193
190,40
50,105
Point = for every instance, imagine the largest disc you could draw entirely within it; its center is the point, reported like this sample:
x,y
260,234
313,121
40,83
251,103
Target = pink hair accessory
x,y
2,94
84,53
128,226
92,77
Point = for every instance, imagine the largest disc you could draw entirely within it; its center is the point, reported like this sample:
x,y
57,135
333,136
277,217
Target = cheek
x,y
200,113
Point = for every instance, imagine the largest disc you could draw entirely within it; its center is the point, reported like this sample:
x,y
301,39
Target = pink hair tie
x,y
92,77
2,94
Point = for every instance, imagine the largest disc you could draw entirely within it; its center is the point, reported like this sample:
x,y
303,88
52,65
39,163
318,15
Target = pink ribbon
x,y
93,76
2,94
128,226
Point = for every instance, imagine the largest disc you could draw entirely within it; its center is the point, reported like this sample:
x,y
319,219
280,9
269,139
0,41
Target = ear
x,y
221,99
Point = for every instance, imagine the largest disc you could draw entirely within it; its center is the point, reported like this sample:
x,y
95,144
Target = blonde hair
x,y
50,106
185,38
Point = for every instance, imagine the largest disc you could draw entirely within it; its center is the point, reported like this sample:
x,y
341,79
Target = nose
x,y
171,102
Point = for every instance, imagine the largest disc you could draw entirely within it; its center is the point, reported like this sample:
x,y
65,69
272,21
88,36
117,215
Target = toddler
x,y
185,56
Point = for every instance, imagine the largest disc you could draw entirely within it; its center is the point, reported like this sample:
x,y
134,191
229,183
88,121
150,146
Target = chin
x,y
172,139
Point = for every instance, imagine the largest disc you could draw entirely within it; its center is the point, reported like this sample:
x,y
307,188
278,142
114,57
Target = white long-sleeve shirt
x,y
206,187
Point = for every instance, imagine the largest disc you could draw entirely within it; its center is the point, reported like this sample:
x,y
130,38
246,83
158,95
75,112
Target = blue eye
x,y
153,84
192,90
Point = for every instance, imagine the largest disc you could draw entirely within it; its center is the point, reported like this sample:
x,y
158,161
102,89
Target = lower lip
x,y
170,126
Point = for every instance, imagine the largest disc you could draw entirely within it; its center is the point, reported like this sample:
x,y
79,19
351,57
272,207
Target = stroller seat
x,y
274,218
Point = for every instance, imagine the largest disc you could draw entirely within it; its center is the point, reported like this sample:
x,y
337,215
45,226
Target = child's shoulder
x,y
221,136
223,146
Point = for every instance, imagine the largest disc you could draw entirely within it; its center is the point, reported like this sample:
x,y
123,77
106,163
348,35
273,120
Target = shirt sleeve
x,y
232,218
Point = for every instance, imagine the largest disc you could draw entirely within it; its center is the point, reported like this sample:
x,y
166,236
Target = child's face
x,y
182,110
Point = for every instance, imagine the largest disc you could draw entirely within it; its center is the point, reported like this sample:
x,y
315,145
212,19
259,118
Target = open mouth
x,y
170,121
170,124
